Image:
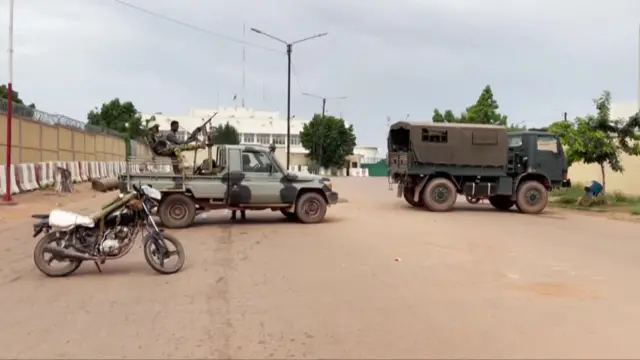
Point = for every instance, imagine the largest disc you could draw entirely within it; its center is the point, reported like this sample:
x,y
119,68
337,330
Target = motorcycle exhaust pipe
x,y
68,253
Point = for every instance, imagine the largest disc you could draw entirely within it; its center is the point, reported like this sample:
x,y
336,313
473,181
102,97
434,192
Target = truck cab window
x,y
515,141
256,162
547,143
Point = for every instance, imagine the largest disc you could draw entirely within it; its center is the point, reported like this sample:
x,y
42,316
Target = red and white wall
x,y
30,177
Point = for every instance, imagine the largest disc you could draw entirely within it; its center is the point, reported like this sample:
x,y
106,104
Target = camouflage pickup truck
x,y
239,177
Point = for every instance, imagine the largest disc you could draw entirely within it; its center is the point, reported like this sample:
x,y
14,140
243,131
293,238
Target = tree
x,y
597,139
15,96
484,111
516,128
225,135
329,140
122,117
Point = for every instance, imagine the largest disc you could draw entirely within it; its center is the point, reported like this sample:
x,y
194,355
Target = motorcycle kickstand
x,y
98,266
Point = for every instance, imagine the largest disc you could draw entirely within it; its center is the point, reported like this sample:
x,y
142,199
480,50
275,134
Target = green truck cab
x,y
239,177
433,162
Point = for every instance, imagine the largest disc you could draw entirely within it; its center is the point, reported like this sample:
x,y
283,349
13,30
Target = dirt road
x,y
376,280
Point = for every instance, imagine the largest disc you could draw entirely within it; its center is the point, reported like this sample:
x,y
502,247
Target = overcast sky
x,y
390,57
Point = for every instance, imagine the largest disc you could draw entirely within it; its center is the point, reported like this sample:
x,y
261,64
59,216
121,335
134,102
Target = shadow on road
x,y
256,219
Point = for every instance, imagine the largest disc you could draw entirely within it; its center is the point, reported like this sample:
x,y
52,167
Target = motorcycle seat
x,y
67,219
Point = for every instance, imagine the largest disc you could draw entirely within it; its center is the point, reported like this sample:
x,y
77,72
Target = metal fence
x,y
43,117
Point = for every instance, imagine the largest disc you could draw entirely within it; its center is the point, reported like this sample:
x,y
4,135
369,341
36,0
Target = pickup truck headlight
x,y
329,185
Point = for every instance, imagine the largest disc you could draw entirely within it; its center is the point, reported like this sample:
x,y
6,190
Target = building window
x,y
434,136
263,139
248,138
279,139
295,140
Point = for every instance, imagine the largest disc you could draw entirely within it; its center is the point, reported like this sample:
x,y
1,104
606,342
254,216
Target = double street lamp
x,y
289,46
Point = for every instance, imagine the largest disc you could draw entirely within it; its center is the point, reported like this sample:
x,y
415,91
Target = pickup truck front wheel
x,y
177,211
311,208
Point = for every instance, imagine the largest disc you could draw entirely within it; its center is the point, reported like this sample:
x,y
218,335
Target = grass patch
x,y
614,200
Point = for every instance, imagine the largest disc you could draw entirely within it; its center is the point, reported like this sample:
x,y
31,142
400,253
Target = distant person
x,y
594,190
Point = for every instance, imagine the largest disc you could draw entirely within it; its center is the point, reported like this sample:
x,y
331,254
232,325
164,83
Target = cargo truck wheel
x,y
532,197
501,202
440,195
408,193
177,211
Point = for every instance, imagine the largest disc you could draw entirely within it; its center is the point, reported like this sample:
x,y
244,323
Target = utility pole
x,y
324,107
9,173
324,100
289,46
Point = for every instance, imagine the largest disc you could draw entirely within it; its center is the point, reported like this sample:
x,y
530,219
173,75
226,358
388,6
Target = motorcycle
x,y
107,235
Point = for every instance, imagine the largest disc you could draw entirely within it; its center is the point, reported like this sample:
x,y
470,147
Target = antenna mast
x,y
244,58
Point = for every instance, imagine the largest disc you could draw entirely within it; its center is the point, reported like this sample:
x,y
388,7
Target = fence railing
x,y
43,117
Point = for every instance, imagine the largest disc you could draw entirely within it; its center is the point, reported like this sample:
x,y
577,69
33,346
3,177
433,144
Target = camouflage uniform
x,y
171,146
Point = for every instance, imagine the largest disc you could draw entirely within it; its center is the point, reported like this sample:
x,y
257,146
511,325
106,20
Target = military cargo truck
x,y
239,177
434,162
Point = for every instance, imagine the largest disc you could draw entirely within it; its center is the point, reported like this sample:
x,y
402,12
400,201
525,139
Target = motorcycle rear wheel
x,y
44,265
152,256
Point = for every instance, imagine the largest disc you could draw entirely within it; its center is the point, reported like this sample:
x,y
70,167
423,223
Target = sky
x,y
388,57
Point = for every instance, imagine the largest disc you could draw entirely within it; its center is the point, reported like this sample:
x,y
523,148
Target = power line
x,y
194,27
295,75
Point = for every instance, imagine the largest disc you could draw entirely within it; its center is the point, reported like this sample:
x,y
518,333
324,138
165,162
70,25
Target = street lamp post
x,y
8,174
289,46
324,105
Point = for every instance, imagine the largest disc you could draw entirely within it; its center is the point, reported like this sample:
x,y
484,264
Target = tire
x,y
149,247
523,197
472,200
408,193
289,215
177,211
440,195
501,202
41,263
311,208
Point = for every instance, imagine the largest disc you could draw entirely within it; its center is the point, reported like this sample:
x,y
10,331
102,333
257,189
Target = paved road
x,y
472,283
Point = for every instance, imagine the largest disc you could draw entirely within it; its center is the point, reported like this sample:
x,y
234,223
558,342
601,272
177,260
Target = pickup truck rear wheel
x,y
177,211
311,208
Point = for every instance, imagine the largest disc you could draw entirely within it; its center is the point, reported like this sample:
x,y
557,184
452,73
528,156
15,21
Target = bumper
x,y
332,197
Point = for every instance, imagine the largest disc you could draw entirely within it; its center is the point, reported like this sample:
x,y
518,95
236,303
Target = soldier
x,y
171,145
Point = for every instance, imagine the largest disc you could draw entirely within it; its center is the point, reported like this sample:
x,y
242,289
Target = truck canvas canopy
x,y
451,144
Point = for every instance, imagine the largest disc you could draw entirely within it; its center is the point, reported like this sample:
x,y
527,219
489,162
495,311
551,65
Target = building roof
x,y
243,119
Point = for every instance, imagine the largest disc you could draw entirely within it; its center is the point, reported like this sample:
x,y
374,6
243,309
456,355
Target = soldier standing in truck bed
x,y
171,145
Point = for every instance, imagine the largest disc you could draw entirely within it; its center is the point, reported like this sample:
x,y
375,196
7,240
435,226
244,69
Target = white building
x,y
258,127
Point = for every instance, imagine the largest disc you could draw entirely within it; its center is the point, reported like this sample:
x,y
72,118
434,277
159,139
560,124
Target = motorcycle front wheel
x,y
44,260
168,263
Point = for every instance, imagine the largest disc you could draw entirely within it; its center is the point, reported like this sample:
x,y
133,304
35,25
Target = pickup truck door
x,y
262,177
211,186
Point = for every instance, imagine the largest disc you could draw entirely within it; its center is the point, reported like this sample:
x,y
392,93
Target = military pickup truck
x,y
433,162
240,177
